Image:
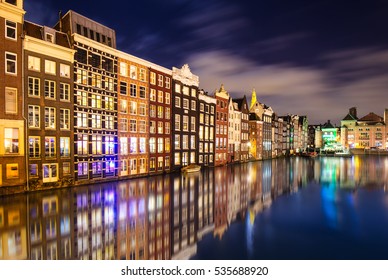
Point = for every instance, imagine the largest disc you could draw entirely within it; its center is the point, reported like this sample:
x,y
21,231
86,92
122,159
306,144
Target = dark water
x,y
298,208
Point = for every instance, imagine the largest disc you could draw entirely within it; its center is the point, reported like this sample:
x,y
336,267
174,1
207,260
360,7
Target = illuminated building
x,y
265,114
12,125
330,137
48,69
206,129
222,117
255,136
95,94
184,117
367,132
160,116
244,128
133,118
234,131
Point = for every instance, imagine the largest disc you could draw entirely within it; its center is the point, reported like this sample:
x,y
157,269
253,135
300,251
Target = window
x,y
124,106
160,127
96,144
10,63
133,90
109,104
160,112
49,117
123,125
133,72
185,141
12,171
153,94
109,122
177,102
193,92
167,113
142,126
132,126
82,144
49,146
153,78
152,145
82,77
167,98
152,111
152,127
142,145
96,121
49,67
33,86
96,80
11,140
49,37
49,89
142,109
177,141
82,120
185,122
167,145
33,170
10,29
33,63
178,88
193,105
142,75
123,146
11,101
142,92
133,145
50,174
33,116
82,169
64,70
177,122
64,119
192,124
66,168
123,69
133,108
64,92
123,88
64,146
185,103
168,82
160,145
160,80
167,128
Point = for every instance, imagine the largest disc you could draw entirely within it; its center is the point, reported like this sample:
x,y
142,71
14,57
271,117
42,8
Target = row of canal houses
x,y
78,110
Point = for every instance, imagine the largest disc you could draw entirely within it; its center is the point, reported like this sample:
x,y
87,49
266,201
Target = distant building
x,y
222,117
242,104
330,137
206,128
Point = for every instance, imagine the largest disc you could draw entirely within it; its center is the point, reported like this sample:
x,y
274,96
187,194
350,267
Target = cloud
x,y
304,90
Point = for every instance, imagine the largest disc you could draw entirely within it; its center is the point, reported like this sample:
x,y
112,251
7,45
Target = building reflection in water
x,y
164,216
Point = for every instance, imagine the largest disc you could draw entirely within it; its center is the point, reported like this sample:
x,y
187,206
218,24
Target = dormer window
x,y
49,38
49,34
12,2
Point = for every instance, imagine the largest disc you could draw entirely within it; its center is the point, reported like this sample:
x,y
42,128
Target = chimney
x,y
353,112
60,21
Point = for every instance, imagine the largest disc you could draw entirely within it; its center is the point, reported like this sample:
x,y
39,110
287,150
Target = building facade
x,y
48,68
222,117
184,117
206,129
243,108
95,94
12,124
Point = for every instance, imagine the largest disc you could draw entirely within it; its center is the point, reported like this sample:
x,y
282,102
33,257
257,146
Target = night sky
x,y
316,58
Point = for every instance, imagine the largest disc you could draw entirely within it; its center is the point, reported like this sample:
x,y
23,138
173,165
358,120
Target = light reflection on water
x,y
285,208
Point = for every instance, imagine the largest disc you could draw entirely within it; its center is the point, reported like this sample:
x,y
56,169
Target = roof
x,y
37,31
240,102
371,117
349,117
327,125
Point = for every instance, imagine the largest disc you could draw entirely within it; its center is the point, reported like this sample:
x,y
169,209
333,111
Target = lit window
x,y
168,82
153,78
133,145
49,67
133,108
96,144
64,146
33,170
123,106
123,69
177,122
123,125
11,140
167,98
64,70
123,146
66,168
153,94
64,92
132,126
152,145
82,144
33,116
160,80
49,145
133,72
33,63
142,145
142,75
142,126
33,87
49,117
10,63
49,89
142,109
11,101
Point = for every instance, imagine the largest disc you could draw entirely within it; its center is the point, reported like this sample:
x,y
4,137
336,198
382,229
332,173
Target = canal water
x,y
288,208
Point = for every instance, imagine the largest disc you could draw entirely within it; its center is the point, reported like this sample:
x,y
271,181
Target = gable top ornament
x,y
185,76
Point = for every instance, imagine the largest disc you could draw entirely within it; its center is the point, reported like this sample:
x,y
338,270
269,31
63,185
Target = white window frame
x,y
10,60
34,63
50,67
7,26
